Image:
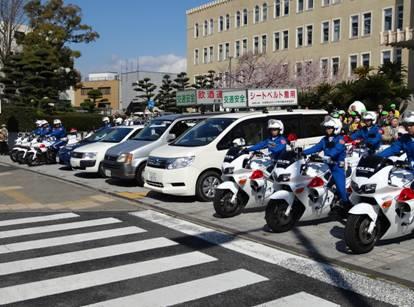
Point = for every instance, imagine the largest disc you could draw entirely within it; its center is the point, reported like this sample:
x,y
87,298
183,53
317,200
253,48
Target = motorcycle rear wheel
x,y
13,155
223,206
357,237
276,218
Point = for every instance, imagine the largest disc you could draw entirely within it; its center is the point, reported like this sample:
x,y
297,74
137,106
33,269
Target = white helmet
x,y
334,123
57,122
118,121
275,124
105,119
370,116
408,117
44,122
38,123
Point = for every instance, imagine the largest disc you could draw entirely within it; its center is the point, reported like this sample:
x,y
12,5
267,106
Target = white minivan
x,y
191,165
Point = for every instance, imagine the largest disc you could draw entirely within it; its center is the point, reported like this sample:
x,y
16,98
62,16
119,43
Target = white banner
x,y
272,97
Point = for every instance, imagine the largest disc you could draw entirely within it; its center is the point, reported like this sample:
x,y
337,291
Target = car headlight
x,y
89,155
182,162
125,158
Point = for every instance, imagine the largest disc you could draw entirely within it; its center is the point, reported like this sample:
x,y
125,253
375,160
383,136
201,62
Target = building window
x,y
205,31
385,56
353,64
227,22
264,12
299,37
398,55
286,39
205,55
256,45
211,26
221,23
278,10
310,4
309,35
286,4
366,60
245,17
196,57
300,5
276,41
211,54
220,53
264,43
336,35
85,90
196,31
335,66
325,2
400,17
227,52
298,69
325,32
367,24
387,26
256,14
245,47
354,26
238,19
324,68
237,49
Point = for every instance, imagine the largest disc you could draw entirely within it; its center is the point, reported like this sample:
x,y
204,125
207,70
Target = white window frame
x,y
242,45
211,26
363,24
306,34
210,57
253,46
205,31
289,7
329,31
218,52
297,8
225,58
296,68
196,51
326,5
227,18
243,15
280,7
331,66
303,37
350,26
254,14
236,26
283,39
396,16
333,29
391,50
280,41
262,11
383,18
240,48
307,5
196,29
261,42
349,62
220,29
362,60
321,67
205,55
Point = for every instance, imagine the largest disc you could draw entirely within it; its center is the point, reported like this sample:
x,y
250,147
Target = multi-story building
x,y
339,35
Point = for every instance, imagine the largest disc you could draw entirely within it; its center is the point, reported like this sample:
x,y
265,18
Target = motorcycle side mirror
x,y
239,142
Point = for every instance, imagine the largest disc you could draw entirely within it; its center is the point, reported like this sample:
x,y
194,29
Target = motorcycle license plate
x,y
57,159
108,173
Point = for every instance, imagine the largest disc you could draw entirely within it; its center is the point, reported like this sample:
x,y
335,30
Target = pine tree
x,y
182,82
166,95
147,88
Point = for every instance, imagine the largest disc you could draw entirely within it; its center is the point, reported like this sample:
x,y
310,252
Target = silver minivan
x,y
127,161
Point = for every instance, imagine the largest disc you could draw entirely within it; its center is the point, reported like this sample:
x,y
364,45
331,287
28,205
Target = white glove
x,y
327,159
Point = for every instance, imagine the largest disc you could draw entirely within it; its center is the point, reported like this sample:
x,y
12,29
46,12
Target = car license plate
x,y
108,173
152,177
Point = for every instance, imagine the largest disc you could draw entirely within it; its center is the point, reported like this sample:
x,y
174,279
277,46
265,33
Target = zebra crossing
x,y
41,263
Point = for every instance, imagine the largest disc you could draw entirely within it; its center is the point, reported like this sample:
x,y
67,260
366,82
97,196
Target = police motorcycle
x,y
246,180
42,152
24,147
22,138
383,198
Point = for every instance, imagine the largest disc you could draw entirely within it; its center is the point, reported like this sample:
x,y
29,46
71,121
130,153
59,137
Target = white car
x,y
191,165
88,158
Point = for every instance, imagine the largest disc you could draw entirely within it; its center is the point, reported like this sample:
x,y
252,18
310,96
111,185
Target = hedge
x,y
22,119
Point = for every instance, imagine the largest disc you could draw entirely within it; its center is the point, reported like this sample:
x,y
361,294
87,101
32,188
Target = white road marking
x,y
339,277
36,219
83,255
5,174
57,227
70,239
4,164
187,291
299,300
8,188
74,282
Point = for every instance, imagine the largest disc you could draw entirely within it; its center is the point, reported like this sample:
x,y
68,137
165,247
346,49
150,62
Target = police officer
x,y
44,128
405,143
333,147
106,122
58,131
276,143
118,121
370,134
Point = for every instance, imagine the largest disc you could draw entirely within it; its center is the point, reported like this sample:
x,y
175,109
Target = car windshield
x,y
203,133
153,131
98,135
116,135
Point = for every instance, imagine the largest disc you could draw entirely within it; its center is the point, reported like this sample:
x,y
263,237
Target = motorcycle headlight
x,y
354,186
125,158
228,170
283,178
182,162
369,188
89,155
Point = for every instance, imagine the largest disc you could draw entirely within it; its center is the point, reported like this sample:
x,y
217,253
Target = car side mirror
x,y
239,142
171,137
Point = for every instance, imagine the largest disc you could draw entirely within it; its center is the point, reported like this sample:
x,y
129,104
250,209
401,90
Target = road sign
x,y
235,99
186,98
151,104
272,97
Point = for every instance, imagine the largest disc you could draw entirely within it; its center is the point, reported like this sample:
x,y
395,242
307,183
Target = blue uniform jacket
x,y
335,149
405,144
58,133
37,131
275,145
370,136
44,131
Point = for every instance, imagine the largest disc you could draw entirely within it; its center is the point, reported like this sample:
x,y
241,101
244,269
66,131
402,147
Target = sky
x,y
153,30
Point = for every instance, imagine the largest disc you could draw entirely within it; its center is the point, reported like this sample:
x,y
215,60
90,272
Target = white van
x,y
191,164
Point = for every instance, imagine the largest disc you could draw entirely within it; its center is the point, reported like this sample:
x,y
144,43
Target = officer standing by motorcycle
x,y
58,131
333,147
276,143
45,128
405,143
370,134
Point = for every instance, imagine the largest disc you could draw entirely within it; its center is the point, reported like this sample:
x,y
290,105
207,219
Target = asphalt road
x,y
65,245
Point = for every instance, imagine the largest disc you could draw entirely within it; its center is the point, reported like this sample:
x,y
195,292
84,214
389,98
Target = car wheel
x,y
101,170
206,185
139,174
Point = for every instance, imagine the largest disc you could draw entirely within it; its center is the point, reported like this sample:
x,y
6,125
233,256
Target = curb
x,y
236,233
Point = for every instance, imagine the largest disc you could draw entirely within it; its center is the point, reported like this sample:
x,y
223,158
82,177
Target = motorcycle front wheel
x,y
276,217
13,155
20,157
30,161
223,205
357,237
